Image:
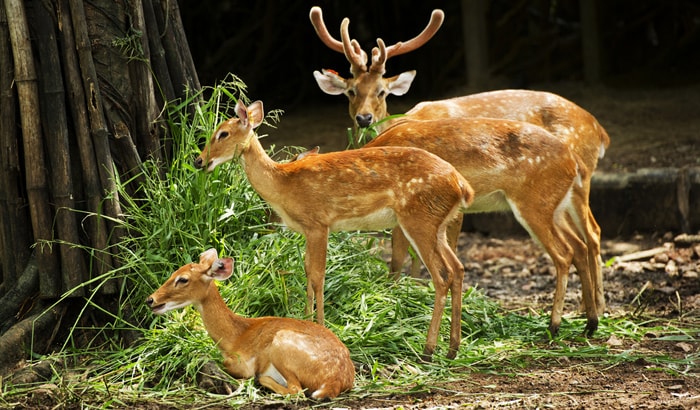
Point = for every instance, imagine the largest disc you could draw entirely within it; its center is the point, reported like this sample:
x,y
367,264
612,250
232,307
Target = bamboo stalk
x,y
58,149
98,124
180,63
145,111
159,66
34,163
15,222
97,230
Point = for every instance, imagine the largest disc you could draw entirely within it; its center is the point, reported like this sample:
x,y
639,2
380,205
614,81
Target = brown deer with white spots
x,y
518,167
367,91
286,355
368,189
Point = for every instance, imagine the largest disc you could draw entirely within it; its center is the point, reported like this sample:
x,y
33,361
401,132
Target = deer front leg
x,y
315,266
237,367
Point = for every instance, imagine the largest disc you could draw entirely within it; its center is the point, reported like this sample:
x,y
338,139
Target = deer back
x,y
520,159
564,119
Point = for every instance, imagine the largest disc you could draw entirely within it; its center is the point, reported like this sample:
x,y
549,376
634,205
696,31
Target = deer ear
x,y
241,111
330,82
208,255
256,113
399,85
221,269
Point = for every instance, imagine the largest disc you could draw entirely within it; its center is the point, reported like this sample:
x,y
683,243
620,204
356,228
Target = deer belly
x,y
494,201
374,221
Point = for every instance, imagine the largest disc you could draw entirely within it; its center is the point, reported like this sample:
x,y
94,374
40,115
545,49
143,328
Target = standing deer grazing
x,y
565,120
285,355
368,189
514,166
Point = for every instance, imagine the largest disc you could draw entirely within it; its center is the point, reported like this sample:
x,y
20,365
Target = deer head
x,y
368,88
191,283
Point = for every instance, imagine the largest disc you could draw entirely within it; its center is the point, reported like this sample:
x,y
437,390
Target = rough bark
x,y
55,118
96,226
20,341
16,237
34,157
13,304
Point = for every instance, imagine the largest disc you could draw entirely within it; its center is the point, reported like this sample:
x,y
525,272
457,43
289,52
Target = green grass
x,y
383,322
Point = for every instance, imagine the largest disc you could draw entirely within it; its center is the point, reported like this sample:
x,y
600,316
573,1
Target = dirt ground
x,y
517,273
648,128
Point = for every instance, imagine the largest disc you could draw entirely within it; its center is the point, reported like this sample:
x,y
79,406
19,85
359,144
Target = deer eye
x,y
381,93
181,280
351,93
222,134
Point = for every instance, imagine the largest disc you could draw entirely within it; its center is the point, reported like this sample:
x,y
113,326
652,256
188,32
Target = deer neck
x,y
220,322
261,170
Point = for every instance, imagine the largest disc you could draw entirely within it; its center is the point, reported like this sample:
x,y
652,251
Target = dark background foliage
x,y
272,46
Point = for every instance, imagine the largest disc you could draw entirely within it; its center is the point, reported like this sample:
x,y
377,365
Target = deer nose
x,y
363,120
149,301
198,163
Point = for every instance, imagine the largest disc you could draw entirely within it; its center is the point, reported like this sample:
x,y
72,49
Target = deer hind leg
x,y
593,241
583,267
592,233
315,266
582,232
454,228
288,388
430,242
539,222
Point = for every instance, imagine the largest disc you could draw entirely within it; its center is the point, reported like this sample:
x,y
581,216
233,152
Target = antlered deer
x,y
285,355
565,120
516,166
367,89
369,189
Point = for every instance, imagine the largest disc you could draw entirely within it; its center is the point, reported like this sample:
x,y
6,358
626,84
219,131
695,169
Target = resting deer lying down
x,y
518,167
368,189
285,355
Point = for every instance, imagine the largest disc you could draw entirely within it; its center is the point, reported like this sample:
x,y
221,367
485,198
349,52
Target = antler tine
x,y
316,16
379,57
434,24
352,50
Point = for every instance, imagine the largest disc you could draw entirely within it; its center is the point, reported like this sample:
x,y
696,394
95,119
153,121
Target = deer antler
x,y
382,53
316,16
350,48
